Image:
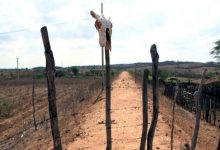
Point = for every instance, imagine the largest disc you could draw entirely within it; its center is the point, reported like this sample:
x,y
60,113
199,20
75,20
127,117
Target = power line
x,y
29,29
20,30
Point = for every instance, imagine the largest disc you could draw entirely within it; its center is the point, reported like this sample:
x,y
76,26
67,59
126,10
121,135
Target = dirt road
x,y
127,121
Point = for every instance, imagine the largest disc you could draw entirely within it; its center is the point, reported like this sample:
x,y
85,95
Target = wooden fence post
x,y
214,111
145,110
197,97
50,71
207,109
108,101
218,147
203,108
155,57
33,102
173,115
210,110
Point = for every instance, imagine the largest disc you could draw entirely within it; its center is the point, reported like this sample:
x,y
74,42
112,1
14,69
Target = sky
x,y
182,30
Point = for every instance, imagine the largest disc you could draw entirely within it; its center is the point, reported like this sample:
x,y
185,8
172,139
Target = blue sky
x,y
182,30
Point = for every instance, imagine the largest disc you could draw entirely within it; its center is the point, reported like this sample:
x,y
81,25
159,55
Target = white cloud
x,y
182,30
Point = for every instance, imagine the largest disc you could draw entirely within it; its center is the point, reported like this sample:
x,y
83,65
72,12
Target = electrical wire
x,y
29,29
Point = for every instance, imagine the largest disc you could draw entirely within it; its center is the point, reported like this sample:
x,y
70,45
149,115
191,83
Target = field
x,y
16,121
81,114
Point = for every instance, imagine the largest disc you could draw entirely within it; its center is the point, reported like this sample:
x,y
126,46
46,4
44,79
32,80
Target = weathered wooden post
x,y
210,111
197,97
104,27
207,109
203,108
173,115
108,100
218,147
145,110
33,102
155,57
214,112
50,71
102,49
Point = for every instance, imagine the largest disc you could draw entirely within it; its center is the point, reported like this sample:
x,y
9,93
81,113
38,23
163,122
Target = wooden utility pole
x,y
107,85
197,97
18,76
173,115
102,51
135,73
50,71
145,110
155,57
33,102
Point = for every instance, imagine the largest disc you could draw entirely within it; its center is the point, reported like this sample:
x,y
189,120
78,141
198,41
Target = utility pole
x,y
135,73
102,51
18,67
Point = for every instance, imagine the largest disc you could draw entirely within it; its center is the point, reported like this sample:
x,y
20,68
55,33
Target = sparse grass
x,y
16,103
5,108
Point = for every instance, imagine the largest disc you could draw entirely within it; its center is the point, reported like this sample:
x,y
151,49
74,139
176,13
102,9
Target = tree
x,y
163,74
75,70
216,51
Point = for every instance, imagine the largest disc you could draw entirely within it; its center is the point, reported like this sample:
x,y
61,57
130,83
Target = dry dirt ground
x,y
84,127
127,122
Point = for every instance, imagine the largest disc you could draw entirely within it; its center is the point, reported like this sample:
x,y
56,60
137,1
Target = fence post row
x,y
50,71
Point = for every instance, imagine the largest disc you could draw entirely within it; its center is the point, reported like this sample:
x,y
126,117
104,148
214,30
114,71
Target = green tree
x,y
75,70
216,51
163,74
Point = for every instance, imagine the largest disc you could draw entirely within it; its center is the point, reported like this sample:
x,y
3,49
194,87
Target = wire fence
x,y
210,99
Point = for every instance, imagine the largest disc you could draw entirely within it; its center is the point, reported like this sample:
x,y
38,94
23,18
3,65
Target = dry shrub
x,y
5,108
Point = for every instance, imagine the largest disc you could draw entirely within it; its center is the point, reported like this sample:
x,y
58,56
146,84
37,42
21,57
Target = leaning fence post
x,y
145,110
33,102
155,57
197,96
50,71
173,115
